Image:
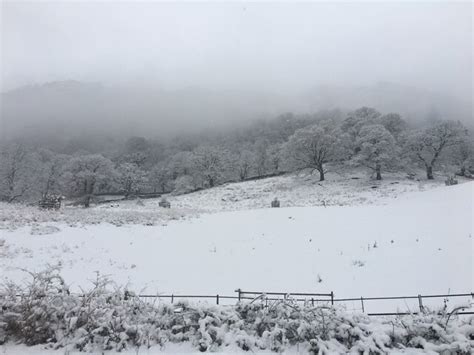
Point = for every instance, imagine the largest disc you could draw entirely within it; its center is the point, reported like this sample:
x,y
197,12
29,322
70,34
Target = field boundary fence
x,y
318,298
314,299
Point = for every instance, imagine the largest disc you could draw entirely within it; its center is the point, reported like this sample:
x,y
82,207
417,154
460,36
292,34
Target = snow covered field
x,y
339,189
396,239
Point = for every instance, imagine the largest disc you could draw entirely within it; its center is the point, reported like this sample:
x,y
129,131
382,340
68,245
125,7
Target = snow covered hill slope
x,y
419,243
352,188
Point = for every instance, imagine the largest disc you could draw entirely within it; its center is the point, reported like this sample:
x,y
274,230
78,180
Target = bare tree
x,y
181,163
261,157
462,156
377,148
84,175
314,146
15,172
244,163
50,173
160,176
131,178
208,163
426,146
274,157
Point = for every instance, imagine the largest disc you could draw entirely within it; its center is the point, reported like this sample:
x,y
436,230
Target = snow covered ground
x,y
342,189
176,349
402,238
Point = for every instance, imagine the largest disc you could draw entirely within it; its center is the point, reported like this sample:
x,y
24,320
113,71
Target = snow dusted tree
x,y
274,157
208,165
261,157
394,124
462,156
136,151
17,171
160,177
377,148
50,172
131,178
427,146
87,174
182,163
314,146
359,118
244,163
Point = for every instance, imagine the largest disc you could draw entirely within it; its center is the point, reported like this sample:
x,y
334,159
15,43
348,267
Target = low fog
x,y
160,69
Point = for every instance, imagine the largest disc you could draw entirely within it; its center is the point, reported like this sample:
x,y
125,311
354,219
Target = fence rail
x,y
309,298
318,297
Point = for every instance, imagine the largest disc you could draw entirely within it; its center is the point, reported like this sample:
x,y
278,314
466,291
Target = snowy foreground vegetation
x,y
104,318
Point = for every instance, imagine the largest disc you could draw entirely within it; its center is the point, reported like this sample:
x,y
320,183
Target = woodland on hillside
x,y
79,168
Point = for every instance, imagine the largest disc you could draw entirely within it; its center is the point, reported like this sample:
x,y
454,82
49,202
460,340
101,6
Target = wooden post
x,y
420,303
312,302
238,290
172,298
332,298
217,299
362,302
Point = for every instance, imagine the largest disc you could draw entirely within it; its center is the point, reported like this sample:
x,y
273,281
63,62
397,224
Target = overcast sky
x,y
270,46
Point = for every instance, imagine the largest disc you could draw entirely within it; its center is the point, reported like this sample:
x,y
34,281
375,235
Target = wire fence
x,y
315,299
321,298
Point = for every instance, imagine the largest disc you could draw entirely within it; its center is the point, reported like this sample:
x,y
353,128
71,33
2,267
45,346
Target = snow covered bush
x,y
108,317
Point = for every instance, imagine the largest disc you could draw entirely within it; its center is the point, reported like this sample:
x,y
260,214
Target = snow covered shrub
x,y
108,317
33,313
432,331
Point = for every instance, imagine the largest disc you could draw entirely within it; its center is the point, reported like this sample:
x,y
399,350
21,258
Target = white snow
x,y
424,244
170,348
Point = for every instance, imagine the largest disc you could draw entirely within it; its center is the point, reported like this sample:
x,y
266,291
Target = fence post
x,y
332,298
217,299
172,298
238,290
420,303
312,302
362,302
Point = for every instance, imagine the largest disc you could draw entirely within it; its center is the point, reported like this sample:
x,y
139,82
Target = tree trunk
x,y
87,201
321,175
463,171
429,173
378,173
90,192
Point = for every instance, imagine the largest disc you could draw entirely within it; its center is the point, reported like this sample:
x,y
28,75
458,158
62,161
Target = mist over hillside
x,y
72,108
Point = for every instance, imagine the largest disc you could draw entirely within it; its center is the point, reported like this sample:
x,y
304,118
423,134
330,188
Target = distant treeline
x,y
365,137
